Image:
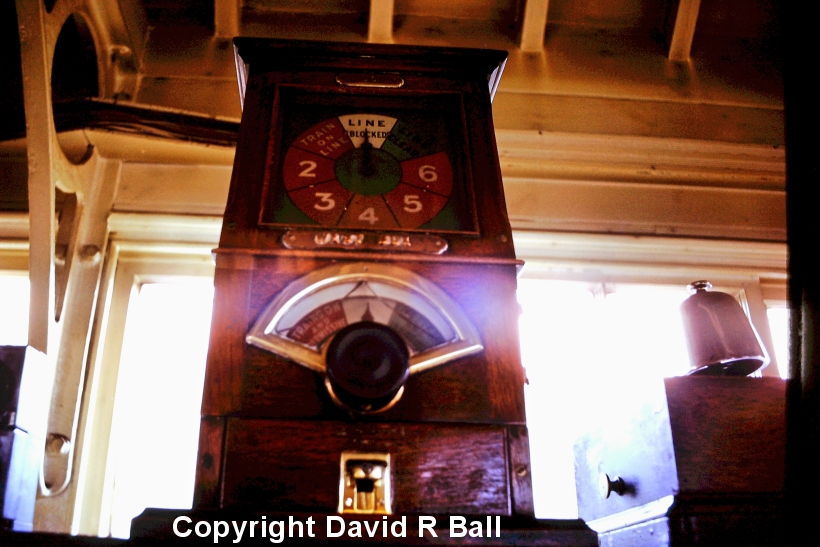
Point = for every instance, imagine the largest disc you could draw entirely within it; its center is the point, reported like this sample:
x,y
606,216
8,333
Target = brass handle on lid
x,y
380,80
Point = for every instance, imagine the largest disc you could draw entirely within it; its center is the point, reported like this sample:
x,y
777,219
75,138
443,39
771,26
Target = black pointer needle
x,y
368,169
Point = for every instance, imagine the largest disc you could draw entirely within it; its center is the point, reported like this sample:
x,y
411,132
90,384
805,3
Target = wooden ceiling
x,y
636,67
614,66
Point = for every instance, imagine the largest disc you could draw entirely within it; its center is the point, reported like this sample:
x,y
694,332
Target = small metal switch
x,y
364,486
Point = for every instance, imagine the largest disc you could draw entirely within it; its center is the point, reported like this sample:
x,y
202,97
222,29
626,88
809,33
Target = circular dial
x,y
367,170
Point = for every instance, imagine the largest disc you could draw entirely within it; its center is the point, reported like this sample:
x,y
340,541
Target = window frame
x,y
754,272
129,265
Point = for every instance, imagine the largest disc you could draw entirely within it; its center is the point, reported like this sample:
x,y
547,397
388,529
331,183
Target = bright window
x,y
576,340
159,394
14,297
779,325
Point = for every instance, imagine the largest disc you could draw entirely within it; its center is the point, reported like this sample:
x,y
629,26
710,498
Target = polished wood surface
x,y
485,388
728,434
294,465
209,461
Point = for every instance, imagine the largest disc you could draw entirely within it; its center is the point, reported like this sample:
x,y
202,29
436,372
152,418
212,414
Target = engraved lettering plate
x,y
364,241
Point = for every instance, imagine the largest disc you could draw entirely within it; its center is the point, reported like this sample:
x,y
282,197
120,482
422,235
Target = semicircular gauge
x,y
302,318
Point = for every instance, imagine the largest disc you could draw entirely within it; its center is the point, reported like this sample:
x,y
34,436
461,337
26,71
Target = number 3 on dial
x,y
326,201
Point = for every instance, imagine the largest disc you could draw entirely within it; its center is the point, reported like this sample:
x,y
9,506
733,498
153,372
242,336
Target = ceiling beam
x,y
681,44
227,18
380,22
534,25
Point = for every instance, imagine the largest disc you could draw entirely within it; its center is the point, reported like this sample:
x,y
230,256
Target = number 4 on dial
x,y
369,215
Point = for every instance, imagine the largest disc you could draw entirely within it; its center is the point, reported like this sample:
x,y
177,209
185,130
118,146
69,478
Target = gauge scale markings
x,y
364,301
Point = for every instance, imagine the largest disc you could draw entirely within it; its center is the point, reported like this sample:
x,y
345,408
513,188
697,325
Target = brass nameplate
x,y
364,241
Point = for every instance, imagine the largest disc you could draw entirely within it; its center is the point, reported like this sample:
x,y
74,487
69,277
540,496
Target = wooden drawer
x,y
294,465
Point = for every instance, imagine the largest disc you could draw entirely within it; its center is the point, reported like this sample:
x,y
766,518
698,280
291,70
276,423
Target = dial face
x,y
374,165
300,321
313,321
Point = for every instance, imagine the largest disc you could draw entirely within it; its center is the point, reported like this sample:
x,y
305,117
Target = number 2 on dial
x,y
309,168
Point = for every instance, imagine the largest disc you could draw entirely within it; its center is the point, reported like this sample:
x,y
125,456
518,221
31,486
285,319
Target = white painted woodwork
x,y
757,312
94,183
120,34
630,258
36,51
613,158
153,229
129,265
227,18
684,30
534,25
380,22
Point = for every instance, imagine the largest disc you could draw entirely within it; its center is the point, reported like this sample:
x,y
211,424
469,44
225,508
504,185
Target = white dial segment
x,y
375,126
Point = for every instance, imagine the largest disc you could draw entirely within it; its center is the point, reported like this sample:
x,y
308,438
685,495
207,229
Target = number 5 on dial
x,y
412,204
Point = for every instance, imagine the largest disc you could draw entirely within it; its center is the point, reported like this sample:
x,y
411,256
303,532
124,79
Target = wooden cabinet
x,y
370,169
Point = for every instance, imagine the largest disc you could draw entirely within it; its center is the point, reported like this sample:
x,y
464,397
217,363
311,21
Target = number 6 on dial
x,y
427,173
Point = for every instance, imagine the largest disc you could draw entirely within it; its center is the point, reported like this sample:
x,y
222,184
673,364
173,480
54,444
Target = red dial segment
x,y
302,168
413,206
369,182
324,202
368,212
433,173
327,139
315,327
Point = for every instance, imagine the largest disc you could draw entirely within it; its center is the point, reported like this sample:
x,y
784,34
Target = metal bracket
x,y
364,485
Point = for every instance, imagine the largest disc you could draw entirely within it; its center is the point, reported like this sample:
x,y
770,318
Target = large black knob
x,y
367,365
